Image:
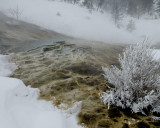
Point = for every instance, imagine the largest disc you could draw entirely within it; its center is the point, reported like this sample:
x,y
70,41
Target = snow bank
x,y
76,21
6,66
156,54
20,107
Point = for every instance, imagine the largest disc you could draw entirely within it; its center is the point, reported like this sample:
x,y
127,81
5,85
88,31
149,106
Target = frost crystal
x,y
137,83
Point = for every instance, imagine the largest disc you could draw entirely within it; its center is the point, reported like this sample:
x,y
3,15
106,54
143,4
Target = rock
x,y
114,112
104,124
142,125
87,118
125,125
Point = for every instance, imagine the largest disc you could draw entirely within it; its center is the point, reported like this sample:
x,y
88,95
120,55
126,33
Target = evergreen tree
x,y
116,14
134,8
131,26
88,4
100,3
158,7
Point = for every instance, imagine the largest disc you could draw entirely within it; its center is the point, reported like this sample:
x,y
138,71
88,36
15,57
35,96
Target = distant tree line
x,y
135,8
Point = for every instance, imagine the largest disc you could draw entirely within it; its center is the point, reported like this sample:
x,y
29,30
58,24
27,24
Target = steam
x,y
75,21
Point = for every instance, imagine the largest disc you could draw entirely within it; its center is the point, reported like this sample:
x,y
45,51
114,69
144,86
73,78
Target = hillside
x,y
77,21
68,70
19,36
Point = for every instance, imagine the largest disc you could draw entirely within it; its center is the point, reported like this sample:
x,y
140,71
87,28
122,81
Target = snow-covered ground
x,y
6,66
20,108
76,21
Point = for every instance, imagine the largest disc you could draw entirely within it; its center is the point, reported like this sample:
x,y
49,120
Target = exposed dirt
x,y
66,73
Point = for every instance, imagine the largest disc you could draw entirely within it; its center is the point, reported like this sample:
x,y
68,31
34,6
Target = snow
x,y
156,54
76,21
6,66
20,107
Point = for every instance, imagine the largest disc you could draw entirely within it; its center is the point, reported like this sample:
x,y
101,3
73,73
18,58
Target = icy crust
x,y
6,66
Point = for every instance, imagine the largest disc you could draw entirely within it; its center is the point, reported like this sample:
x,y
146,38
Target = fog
x,y
76,21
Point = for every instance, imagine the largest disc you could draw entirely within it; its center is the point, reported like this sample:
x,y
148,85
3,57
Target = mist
x,y
64,62
77,21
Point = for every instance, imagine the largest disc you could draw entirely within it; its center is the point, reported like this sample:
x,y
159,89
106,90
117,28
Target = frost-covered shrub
x,y
137,83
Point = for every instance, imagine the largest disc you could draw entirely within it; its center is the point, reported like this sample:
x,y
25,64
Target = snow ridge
x,y
20,107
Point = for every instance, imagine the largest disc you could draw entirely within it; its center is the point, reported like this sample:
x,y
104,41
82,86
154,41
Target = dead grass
x,y
75,74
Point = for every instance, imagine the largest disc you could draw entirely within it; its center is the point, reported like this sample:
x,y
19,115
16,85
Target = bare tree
x,y
16,13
